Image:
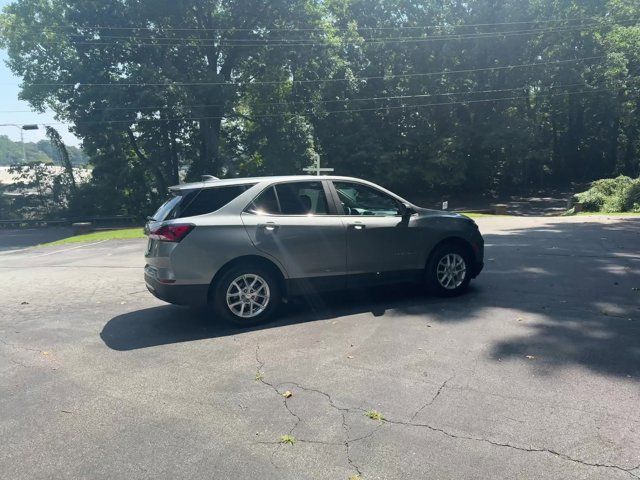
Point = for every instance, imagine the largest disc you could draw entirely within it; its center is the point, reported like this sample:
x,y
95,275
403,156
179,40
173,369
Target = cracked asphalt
x,y
535,373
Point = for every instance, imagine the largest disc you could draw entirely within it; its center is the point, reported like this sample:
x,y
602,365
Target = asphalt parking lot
x,y
535,373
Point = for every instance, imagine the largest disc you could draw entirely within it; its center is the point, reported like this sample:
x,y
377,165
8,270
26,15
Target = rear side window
x,y
302,198
199,202
298,198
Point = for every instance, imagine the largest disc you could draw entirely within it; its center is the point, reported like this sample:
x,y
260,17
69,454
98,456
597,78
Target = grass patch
x,y
480,215
288,439
374,415
613,214
571,213
122,234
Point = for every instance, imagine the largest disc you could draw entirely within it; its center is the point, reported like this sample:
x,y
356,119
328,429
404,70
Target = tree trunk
x,y
175,159
631,160
556,157
161,184
613,137
210,145
171,168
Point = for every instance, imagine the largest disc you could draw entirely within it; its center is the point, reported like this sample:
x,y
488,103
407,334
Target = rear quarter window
x,y
200,202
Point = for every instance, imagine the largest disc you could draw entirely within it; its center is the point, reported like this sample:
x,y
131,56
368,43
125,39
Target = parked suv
x,y
241,245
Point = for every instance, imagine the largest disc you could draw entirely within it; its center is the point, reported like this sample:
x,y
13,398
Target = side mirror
x,y
405,210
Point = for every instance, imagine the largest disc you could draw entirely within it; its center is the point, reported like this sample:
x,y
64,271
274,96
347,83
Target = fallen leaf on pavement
x,y
287,394
530,357
349,356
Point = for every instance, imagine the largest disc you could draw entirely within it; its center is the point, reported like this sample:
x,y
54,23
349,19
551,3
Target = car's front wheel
x,y
448,272
247,295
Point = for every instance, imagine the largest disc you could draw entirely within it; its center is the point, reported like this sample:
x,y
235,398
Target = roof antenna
x,y
208,178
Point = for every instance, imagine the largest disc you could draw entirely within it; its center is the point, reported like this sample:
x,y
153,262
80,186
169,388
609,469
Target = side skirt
x,y
314,285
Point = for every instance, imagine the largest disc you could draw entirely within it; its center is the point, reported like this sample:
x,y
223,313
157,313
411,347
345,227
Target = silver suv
x,y
242,245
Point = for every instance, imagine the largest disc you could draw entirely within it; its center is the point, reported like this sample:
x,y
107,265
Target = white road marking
x,y
69,249
15,251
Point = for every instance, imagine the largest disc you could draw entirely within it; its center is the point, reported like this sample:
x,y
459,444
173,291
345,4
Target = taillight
x,y
171,233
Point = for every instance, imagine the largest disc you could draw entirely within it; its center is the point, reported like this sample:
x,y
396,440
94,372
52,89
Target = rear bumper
x,y
192,295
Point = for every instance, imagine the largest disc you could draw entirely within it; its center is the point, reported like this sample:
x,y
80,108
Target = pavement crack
x,y
516,447
343,412
347,442
18,363
326,395
260,378
433,399
20,347
347,445
300,440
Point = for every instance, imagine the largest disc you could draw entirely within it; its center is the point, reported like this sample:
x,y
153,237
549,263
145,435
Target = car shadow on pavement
x,y
575,286
173,324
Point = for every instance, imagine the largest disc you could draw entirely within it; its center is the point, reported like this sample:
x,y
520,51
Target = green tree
x,y
58,144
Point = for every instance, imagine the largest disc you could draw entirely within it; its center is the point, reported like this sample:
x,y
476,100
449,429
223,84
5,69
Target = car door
x,y
381,243
296,223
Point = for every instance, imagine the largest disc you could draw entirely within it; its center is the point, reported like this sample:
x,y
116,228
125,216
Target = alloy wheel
x,y
451,271
248,295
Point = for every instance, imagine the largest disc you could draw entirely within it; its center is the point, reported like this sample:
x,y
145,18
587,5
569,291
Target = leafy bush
x,y
610,195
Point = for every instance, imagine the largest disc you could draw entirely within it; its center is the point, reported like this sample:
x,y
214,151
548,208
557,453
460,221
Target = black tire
x,y
434,284
218,295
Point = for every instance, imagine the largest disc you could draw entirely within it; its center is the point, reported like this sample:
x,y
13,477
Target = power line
x,y
306,114
342,100
257,42
369,39
325,80
324,29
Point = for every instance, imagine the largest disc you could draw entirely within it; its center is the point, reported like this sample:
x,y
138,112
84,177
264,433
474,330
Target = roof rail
x,y
208,178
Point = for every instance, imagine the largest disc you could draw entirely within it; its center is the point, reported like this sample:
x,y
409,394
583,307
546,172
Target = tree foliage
x,y
420,96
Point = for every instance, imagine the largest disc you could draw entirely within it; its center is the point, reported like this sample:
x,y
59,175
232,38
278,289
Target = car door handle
x,y
357,226
270,226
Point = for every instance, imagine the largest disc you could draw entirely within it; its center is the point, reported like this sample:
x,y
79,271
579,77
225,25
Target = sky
x,y
9,90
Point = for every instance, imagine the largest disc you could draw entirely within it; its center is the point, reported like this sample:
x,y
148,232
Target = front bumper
x,y
193,295
477,268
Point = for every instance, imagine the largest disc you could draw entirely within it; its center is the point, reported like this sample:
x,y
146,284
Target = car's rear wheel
x,y
448,272
247,295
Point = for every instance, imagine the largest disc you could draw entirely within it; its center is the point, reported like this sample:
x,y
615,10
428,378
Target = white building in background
x,y
82,175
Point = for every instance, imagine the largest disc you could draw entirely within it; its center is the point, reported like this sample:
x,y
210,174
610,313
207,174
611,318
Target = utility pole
x,y
22,129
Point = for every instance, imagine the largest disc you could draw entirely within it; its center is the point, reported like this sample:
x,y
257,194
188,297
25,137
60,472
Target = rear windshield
x,y
188,203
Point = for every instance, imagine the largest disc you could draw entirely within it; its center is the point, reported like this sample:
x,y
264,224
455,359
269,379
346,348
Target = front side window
x,y
296,198
266,203
358,199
